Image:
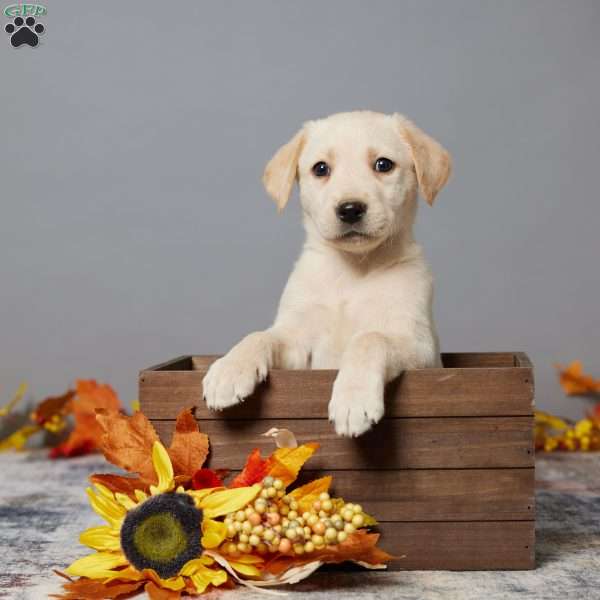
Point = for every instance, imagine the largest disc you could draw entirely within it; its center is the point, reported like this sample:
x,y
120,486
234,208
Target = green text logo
x,y
25,10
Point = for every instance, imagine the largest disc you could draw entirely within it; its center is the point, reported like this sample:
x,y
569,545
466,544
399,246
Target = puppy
x,y
360,296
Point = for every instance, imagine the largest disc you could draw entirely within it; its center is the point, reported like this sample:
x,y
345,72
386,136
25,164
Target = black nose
x,y
351,212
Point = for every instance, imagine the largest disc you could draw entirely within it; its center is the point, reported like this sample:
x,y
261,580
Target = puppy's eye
x,y
383,165
321,169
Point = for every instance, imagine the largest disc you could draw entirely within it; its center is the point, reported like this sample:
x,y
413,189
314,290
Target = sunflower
x,y
161,536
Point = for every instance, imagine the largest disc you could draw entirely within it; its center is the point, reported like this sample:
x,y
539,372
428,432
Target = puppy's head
x,y
358,174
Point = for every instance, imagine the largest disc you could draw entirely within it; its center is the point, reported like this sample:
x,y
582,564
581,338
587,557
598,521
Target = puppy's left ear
x,y
433,163
282,170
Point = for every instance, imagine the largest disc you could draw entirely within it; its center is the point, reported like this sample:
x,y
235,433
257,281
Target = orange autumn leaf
x,y
308,494
120,483
254,470
157,593
575,382
285,463
189,447
92,589
127,442
87,432
359,546
52,406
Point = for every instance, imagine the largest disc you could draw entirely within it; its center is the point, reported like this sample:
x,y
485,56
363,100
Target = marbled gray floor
x,y
43,508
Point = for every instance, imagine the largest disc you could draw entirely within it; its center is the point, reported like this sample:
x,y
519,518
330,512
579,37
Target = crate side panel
x,y
432,443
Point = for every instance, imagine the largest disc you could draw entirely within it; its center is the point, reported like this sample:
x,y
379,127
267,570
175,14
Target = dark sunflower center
x,y
162,534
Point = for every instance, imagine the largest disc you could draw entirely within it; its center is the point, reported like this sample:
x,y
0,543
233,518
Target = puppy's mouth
x,y
354,235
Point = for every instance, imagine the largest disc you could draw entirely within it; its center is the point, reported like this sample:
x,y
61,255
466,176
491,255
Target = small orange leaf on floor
x,y
189,447
127,442
575,382
91,589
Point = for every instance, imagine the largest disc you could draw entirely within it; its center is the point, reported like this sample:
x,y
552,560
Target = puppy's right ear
x,y
282,170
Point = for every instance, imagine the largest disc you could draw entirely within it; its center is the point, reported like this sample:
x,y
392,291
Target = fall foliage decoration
x,y
52,415
555,433
173,528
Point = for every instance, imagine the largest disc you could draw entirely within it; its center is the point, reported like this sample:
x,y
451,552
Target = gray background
x,y
134,227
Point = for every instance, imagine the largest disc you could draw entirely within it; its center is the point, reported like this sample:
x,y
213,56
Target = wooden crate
x,y
449,471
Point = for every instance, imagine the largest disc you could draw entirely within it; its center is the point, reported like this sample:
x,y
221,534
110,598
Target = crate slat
x,y
437,494
470,546
431,443
449,392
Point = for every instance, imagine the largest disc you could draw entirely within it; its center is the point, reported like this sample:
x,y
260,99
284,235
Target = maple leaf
x,y
127,442
254,470
575,382
189,447
120,483
87,432
53,405
157,593
285,463
92,589
306,495
358,547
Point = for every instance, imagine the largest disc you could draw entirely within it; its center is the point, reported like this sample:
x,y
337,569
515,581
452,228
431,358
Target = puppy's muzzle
x,y
351,212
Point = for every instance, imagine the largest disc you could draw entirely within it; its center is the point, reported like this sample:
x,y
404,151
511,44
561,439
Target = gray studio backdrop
x,y
134,227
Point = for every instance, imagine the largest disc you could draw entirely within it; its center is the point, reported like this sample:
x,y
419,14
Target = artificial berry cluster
x,y
272,523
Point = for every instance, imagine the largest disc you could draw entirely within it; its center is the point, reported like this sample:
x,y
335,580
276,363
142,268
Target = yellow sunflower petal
x,y
163,468
125,501
173,583
97,566
244,569
101,538
108,508
202,576
140,496
213,533
226,501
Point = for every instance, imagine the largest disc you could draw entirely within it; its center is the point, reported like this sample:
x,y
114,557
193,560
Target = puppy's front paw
x,y
356,403
231,379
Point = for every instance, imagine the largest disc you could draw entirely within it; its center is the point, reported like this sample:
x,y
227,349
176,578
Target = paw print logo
x,y
24,31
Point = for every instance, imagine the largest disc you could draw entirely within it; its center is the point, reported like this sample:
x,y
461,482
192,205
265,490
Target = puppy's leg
x,y
369,362
233,377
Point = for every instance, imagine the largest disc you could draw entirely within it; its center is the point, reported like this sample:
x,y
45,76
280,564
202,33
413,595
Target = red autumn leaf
x,y
189,447
87,432
254,470
157,593
205,478
359,546
91,589
127,442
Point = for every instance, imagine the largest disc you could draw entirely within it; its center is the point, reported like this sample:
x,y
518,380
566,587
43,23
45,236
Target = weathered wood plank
x,y
466,546
435,494
451,443
450,392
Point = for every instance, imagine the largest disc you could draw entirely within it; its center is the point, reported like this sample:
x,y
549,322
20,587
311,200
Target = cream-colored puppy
x,y
359,298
